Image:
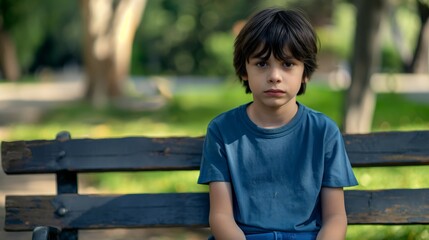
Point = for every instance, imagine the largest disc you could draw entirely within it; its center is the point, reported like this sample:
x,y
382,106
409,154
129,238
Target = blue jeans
x,y
282,236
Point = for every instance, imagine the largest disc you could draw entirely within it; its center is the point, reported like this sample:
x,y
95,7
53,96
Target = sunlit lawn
x,y
188,115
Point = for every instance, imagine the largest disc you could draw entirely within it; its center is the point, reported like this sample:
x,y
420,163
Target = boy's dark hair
x,y
275,29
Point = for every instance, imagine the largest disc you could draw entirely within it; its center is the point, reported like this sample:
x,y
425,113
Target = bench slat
x,y
100,155
72,211
140,153
393,206
401,206
388,148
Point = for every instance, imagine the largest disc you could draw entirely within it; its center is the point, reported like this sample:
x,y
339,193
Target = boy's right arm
x,y
222,223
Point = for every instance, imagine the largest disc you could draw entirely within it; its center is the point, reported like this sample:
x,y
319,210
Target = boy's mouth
x,y
274,91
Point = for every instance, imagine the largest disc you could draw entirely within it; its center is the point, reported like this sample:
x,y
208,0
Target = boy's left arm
x,y
334,218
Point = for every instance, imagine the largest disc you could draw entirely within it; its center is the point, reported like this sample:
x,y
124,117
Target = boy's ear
x,y
304,80
244,77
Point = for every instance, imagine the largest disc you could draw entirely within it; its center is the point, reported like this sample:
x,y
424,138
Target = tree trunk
x,y
360,99
420,61
110,27
9,65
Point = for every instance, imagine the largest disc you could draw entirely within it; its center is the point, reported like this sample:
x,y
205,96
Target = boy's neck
x,y
272,117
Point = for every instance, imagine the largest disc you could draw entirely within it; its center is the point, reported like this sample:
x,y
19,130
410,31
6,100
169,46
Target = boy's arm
x,y
222,223
334,218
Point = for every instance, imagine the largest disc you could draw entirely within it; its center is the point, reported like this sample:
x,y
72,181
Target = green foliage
x,y
191,37
219,47
23,20
407,32
337,38
409,23
390,60
31,23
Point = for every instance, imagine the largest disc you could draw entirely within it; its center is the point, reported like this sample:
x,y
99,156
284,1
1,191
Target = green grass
x,y
369,232
396,112
188,114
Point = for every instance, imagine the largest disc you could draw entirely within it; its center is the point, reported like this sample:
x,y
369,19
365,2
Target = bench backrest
x,y
71,211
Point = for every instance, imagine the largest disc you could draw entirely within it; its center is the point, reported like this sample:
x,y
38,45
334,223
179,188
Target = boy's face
x,y
274,82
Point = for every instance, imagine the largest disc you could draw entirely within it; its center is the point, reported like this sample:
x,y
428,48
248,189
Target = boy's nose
x,y
275,76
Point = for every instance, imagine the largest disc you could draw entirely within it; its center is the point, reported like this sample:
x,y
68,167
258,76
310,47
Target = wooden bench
x,y
68,211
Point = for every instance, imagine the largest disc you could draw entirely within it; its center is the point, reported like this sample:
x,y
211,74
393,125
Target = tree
x,y
9,15
109,29
360,99
416,61
9,64
34,31
420,60
192,37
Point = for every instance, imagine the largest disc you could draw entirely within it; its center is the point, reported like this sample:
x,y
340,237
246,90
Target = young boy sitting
x,y
275,168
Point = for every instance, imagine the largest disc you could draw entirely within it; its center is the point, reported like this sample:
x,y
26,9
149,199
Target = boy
x,y
275,168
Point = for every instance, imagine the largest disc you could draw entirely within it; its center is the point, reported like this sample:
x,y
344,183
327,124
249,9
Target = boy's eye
x,y
261,64
288,64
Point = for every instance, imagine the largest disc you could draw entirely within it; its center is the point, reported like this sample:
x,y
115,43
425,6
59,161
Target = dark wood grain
x,y
140,153
101,155
72,211
388,149
394,206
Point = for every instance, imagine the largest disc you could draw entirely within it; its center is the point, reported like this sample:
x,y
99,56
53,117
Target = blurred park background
x,y
116,68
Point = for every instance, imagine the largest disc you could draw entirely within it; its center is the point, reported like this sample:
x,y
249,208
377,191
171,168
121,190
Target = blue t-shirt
x,y
276,174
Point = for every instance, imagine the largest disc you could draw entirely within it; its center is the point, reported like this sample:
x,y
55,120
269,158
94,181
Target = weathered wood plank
x,y
69,211
388,148
72,211
395,206
139,153
95,155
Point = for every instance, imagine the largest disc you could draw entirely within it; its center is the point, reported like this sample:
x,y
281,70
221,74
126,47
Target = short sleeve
x,y
214,165
337,168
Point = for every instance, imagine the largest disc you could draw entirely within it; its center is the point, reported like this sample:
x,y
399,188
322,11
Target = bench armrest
x,y
46,233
